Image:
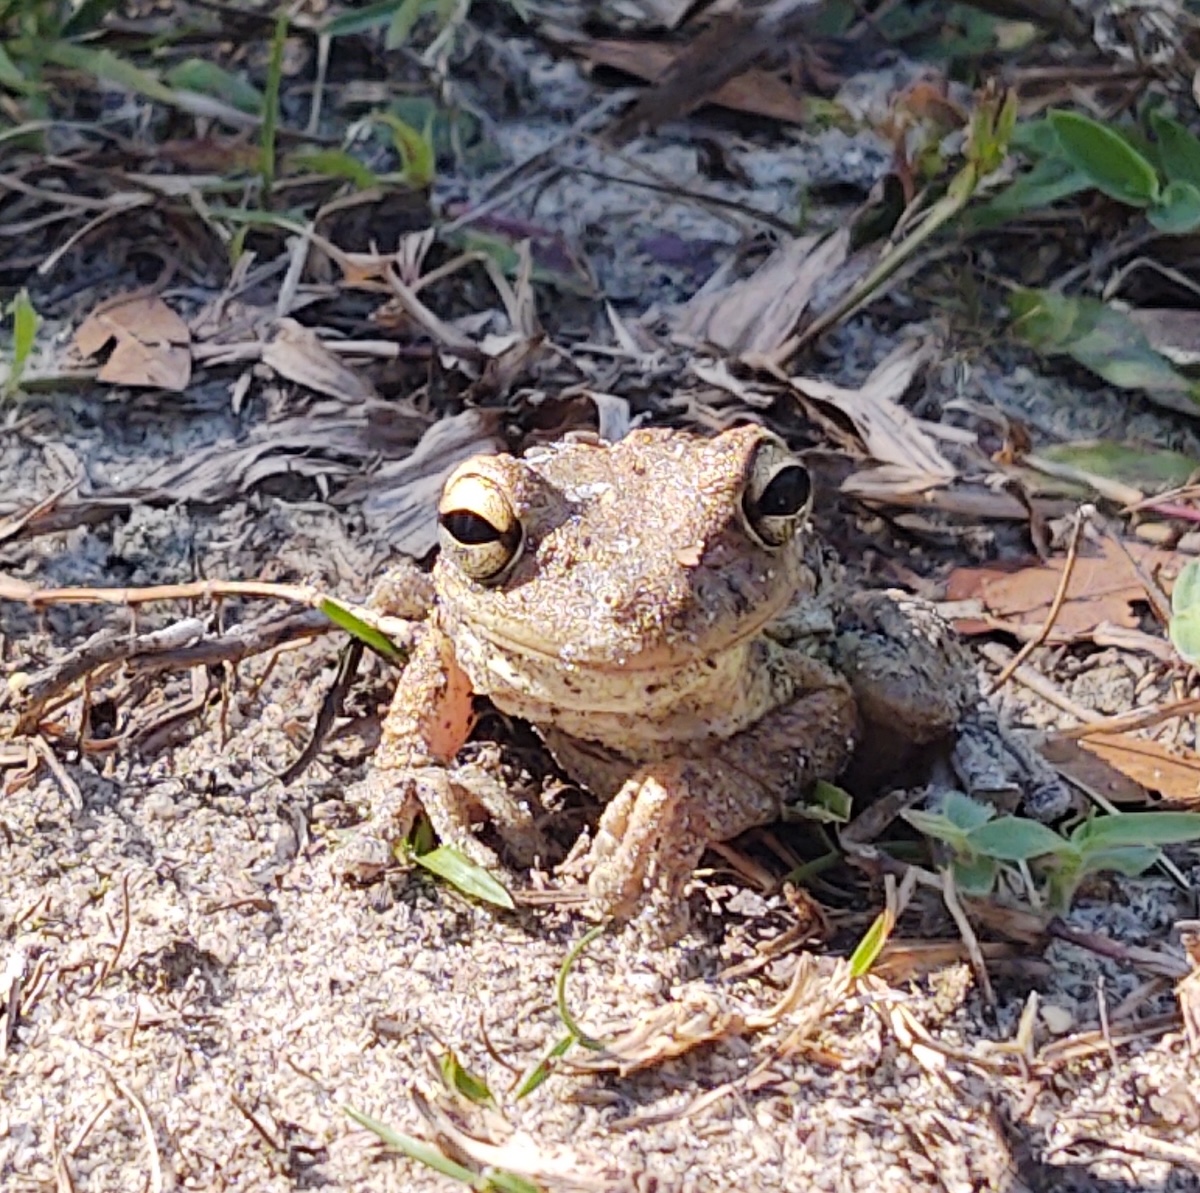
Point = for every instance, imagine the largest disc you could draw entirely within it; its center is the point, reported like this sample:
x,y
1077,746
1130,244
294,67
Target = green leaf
x,y
458,870
207,78
26,322
939,827
415,149
87,17
868,949
963,811
975,876
542,1070
1178,149
345,620
1137,828
1015,839
509,1182
414,1149
1177,211
104,64
1110,162
334,163
459,1078
560,988
827,803
405,17
1185,596
1099,337
13,78
270,107
1036,138
1184,632
1130,860
1146,468
1050,181
360,20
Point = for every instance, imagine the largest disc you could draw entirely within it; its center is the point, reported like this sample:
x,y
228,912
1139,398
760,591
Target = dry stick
x,y
1141,719
1055,606
110,965
196,590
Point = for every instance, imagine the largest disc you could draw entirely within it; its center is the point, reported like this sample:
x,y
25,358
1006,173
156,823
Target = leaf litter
x,y
358,395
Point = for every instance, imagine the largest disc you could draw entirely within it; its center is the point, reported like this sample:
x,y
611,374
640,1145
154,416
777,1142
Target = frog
x,y
661,611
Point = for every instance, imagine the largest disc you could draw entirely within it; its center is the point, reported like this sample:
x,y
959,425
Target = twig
x,y
1055,606
196,590
331,707
1127,722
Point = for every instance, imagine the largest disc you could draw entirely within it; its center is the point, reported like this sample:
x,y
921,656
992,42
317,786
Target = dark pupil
x,y
469,528
786,493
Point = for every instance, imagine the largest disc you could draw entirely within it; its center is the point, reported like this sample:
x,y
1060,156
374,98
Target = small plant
x,y
1159,174
982,843
1185,613
25,324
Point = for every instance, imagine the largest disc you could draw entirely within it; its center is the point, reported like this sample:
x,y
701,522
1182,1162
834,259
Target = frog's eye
x,y
778,494
478,528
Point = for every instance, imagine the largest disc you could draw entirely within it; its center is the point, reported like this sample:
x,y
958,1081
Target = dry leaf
x,y
756,315
297,353
1103,587
151,343
1174,333
1144,764
400,499
891,434
754,91
1086,767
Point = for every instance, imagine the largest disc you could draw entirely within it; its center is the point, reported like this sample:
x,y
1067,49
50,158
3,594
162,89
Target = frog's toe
x,y
645,850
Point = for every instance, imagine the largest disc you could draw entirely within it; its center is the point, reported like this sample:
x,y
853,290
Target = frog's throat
x,y
662,655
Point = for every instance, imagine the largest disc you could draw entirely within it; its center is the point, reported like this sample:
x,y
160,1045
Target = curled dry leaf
x,y
151,343
297,353
891,435
754,316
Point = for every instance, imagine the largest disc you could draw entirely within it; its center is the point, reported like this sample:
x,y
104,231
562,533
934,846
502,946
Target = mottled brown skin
x,y
651,636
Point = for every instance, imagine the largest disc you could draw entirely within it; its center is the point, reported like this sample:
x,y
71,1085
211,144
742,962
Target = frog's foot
x,y
911,674
998,766
395,798
455,801
654,832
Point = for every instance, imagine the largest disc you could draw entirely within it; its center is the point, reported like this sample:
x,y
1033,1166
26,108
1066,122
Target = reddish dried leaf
x,y
1087,768
1103,587
1155,767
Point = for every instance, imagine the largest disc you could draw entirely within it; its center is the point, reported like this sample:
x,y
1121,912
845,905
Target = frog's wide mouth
x,y
605,653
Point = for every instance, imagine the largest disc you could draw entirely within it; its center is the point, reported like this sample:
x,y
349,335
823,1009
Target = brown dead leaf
x,y
1103,587
1086,767
757,314
754,91
890,433
297,353
1139,763
151,343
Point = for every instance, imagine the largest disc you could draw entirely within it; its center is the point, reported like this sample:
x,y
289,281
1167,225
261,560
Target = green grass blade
x,y
458,870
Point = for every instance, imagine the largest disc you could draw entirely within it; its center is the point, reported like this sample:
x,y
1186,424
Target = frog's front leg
x,y
654,831
917,688
428,722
